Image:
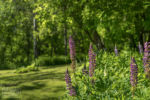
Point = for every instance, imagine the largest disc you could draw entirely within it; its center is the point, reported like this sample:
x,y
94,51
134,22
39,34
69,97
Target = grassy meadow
x,y
46,84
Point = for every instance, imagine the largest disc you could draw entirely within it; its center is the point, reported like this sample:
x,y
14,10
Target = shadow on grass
x,y
31,86
11,98
45,98
55,66
16,80
35,80
58,89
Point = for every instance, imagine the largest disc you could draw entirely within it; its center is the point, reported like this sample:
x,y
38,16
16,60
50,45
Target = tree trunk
x,y
96,39
35,39
51,51
28,39
65,38
65,30
141,39
133,41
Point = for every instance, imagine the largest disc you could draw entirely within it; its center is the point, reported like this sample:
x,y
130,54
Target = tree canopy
x,y
32,28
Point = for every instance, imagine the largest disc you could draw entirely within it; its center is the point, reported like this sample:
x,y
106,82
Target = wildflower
x,y
92,61
72,92
146,59
133,73
72,53
116,51
71,89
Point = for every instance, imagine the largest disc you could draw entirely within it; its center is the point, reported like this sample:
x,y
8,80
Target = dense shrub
x,y
7,65
27,69
111,79
55,60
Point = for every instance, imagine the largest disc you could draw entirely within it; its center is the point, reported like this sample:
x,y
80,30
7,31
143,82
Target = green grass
x,y
46,84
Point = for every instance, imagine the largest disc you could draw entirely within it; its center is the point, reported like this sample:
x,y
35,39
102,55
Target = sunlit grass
x,y
46,84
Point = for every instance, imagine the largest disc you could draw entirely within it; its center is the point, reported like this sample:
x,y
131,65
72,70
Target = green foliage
x,y
80,57
54,60
27,69
8,65
111,79
105,23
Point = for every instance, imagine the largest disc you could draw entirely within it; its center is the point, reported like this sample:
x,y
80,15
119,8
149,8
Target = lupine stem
x,y
84,70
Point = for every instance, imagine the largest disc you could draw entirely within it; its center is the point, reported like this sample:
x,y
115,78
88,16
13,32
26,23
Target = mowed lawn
x,y
46,84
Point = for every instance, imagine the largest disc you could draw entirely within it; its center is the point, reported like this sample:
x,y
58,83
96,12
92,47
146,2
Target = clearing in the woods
x,y
46,84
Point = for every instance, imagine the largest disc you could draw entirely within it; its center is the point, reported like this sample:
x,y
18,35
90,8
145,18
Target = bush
x,y
7,65
55,60
27,69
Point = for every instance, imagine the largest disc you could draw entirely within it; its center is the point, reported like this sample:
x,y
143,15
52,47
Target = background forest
x,y
39,29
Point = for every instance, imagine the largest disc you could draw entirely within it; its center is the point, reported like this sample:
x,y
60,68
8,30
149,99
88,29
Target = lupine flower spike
x,y
71,89
72,53
116,51
146,59
92,61
140,48
133,75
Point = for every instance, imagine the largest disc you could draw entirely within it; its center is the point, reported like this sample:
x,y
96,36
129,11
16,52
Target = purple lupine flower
x,y
140,48
133,73
92,61
84,70
67,79
71,89
146,59
72,53
72,48
116,51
